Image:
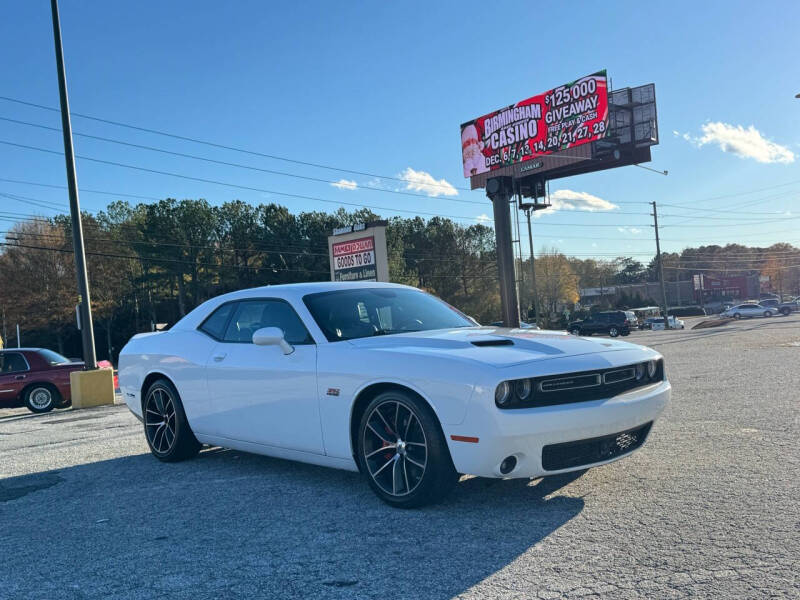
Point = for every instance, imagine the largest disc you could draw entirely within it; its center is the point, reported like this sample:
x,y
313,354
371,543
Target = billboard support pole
x,y
660,267
499,190
87,333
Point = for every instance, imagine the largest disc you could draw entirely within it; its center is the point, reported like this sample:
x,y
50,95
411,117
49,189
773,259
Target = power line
x,y
255,249
212,265
239,165
83,189
289,195
223,146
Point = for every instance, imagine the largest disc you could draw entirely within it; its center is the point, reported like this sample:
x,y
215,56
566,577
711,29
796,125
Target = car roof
x,y
7,349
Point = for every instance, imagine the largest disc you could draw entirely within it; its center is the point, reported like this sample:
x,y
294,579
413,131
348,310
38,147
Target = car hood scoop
x,y
492,342
498,346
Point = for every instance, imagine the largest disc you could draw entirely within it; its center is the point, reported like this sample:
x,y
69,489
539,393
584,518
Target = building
x,y
726,288
679,293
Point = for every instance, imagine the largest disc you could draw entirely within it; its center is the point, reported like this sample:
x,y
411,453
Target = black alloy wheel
x,y
402,451
165,425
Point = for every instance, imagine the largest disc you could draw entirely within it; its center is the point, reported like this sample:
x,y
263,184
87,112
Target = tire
x,y
613,331
624,333
785,311
42,398
417,473
737,315
767,313
575,331
165,426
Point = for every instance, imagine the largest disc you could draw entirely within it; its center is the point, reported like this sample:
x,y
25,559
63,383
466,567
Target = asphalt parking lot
x,y
708,508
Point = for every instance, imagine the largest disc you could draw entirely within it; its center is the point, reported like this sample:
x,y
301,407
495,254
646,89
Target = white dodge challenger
x,y
391,381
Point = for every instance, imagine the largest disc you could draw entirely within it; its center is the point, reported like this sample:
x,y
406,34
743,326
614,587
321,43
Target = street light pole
x,y
533,269
87,330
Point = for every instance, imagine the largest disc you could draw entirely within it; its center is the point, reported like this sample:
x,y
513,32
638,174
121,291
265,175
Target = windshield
x,y
53,358
364,312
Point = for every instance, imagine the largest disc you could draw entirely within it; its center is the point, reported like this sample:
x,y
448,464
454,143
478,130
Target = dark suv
x,y
613,322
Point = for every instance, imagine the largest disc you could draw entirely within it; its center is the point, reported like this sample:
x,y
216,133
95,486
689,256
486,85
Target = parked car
x,y
613,323
657,323
390,381
783,308
37,377
522,325
749,310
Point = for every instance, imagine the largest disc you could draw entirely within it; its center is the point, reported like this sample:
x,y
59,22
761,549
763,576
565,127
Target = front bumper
x,y
523,433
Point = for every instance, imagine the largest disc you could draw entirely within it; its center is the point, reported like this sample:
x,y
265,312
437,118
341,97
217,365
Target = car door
x,y
750,310
14,371
600,323
259,394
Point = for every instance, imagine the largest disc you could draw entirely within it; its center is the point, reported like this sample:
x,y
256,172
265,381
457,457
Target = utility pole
x,y
18,342
660,267
5,333
499,190
87,329
539,320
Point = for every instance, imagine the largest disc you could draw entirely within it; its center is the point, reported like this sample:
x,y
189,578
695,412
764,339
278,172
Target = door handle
x,y
219,357
19,377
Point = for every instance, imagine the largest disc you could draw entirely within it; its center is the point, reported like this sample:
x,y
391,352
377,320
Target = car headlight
x,y
639,371
522,389
652,367
502,395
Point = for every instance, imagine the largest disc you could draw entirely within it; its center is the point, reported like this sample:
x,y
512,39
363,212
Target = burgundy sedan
x,y
37,377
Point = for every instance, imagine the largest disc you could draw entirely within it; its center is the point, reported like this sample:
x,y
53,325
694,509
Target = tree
x,y
629,270
37,272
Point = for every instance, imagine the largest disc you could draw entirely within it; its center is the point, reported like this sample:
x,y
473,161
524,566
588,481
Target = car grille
x,y
593,450
584,386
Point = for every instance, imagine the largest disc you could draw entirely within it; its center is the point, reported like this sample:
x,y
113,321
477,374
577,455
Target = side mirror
x,y
272,336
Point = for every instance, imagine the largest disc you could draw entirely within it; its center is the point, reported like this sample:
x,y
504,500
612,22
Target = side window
x,y
214,325
252,315
12,362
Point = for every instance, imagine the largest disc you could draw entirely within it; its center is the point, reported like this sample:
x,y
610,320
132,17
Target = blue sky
x,y
383,87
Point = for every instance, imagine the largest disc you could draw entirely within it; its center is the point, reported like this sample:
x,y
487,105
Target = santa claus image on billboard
x,y
471,151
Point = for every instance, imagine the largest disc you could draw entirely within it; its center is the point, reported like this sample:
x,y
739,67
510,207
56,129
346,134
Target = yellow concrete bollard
x,y
92,388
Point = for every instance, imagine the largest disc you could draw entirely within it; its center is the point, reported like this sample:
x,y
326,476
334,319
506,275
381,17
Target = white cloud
x,y
420,181
375,182
633,230
744,143
484,219
345,184
572,200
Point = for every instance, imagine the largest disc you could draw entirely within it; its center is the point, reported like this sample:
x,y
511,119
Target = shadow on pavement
x,y
229,524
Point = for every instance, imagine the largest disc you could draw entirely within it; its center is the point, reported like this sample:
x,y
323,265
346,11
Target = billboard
x,y
358,253
354,260
565,117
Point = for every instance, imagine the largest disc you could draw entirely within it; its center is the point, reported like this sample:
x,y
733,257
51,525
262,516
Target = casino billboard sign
x,y
565,117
